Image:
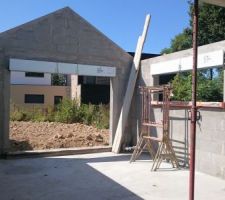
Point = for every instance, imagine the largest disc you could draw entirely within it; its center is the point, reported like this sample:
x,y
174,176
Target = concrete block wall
x,y
210,146
64,36
4,104
211,143
210,139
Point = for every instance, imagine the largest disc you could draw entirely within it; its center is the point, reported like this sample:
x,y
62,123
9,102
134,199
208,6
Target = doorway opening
x,y
45,115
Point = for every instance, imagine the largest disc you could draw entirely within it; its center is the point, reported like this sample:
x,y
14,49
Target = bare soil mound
x,y
51,135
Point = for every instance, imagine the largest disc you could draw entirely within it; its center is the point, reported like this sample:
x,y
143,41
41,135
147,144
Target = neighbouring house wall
x,y
18,92
20,78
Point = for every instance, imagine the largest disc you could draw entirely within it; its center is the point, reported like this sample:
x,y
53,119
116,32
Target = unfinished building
x,y
63,41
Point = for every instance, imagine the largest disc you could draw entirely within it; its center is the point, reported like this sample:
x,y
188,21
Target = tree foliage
x,y
181,41
211,29
207,90
59,79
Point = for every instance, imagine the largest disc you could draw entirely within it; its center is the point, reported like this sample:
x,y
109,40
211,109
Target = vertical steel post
x,y
193,108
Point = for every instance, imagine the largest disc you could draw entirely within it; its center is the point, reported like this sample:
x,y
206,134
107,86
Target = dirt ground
x,y
50,135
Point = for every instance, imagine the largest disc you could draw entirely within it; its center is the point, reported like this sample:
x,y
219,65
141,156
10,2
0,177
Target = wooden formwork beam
x,y
130,89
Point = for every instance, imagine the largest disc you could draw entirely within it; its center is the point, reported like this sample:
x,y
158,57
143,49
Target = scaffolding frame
x,y
165,150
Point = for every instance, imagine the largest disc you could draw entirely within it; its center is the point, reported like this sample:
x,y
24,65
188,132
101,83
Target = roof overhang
x,y
215,2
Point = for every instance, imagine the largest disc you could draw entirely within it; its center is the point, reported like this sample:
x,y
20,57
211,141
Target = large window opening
x,y
94,90
46,116
210,85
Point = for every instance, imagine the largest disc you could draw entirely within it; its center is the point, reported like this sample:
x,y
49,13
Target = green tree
x,y
59,79
207,90
180,42
211,29
211,24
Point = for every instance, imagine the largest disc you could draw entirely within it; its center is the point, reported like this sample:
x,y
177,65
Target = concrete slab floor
x,y
99,176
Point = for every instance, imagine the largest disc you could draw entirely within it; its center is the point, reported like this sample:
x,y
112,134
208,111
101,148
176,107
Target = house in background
x,y
33,88
43,89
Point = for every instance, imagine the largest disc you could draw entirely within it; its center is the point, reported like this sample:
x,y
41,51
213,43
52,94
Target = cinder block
x,y
210,146
223,149
223,172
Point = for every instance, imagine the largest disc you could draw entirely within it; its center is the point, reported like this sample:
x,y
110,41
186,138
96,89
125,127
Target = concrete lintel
x,y
61,68
215,2
217,46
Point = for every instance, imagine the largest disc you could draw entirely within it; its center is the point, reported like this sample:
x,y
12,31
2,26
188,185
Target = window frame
x,y
33,101
34,74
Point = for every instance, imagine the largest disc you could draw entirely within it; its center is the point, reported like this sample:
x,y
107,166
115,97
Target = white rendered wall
x,y
20,78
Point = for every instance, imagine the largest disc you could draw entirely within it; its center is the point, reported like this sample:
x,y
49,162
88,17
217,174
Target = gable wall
x,y
64,36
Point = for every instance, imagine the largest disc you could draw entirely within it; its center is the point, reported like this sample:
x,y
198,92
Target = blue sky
x,y
121,20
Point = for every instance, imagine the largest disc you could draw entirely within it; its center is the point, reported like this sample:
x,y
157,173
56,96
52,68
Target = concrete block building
x,y
60,36
60,42
35,89
210,133
63,42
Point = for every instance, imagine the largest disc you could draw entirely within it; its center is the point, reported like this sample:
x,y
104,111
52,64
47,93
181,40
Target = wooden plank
x,y
130,89
153,124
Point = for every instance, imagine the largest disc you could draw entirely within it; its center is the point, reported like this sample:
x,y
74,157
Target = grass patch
x,y
68,111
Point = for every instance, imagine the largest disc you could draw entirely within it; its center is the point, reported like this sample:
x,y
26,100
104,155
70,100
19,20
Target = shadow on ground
x,y
16,145
60,178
